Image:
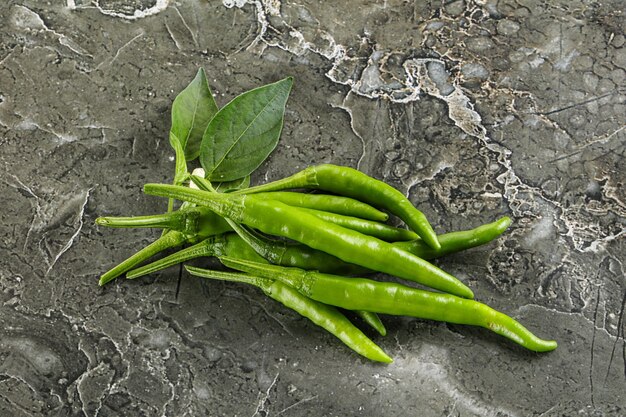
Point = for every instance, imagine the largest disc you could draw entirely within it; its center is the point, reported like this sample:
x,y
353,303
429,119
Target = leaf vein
x,y
215,166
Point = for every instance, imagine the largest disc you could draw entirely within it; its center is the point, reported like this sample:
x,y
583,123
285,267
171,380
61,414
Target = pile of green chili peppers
x,y
305,249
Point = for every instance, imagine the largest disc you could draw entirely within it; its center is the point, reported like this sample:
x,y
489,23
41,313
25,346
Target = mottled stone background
x,y
475,109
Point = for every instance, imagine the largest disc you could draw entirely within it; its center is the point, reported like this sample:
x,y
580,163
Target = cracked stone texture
x,y
475,109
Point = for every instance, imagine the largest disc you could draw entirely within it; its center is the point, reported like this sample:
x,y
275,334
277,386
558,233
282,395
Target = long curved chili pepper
x,y
323,315
367,227
336,203
320,202
330,203
355,184
296,224
395,299
457,241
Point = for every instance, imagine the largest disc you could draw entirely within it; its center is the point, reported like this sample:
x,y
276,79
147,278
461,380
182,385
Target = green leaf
x,y
192,111
244,132
230,186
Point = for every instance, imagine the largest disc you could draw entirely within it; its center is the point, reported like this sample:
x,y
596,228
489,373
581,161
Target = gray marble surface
x,y
474,109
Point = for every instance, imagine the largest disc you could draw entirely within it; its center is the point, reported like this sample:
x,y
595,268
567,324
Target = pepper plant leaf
x,y
192,111
244,132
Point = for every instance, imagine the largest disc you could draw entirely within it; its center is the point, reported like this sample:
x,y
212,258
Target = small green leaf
x,y
192,111
230,186
244,132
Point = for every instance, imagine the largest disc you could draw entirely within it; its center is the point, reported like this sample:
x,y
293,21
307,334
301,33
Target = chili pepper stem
x,y
170,240
303,179
155,220
226,244
204,248
262,283
272,254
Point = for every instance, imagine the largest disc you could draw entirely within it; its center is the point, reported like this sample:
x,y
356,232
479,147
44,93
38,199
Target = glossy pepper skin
x,y
373,320
355,184
367,227
330,203
395,299
457,241
345,244
321,314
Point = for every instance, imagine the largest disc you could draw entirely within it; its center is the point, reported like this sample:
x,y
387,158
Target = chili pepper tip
x,y
503,223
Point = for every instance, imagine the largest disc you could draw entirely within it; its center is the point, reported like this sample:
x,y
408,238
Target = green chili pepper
x,y
302,256
330,203
355,184
395,299
367,227
323,315
347,245
457,241
295,254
